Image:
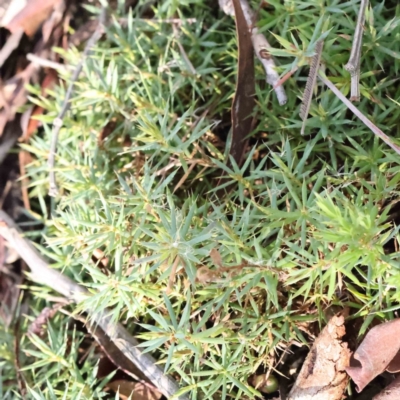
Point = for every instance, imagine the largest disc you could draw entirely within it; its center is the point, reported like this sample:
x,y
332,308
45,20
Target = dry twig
x,y
44,63
58,121
260,45
312,78
359,114
353,65
41,272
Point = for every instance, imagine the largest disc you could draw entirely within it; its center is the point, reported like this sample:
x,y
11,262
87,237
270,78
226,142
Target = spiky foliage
x,y
306,223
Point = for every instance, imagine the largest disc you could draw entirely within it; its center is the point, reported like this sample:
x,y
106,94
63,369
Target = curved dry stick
x,y
41,272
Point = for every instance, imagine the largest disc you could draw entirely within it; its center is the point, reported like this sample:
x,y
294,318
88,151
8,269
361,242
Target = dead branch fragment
x,y
353,65
260,45
367,122
323,375
312,78
41,272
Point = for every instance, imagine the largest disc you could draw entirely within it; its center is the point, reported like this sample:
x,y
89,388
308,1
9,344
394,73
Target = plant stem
x,y
353,65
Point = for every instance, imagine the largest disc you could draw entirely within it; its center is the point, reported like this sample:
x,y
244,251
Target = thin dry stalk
x,y
353,65
358,113
261,47
182,51
171,279
58,121
44,63
312,78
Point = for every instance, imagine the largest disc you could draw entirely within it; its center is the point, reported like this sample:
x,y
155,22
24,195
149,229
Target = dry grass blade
x,y
243,103
172,274
312,78
353,65
359,114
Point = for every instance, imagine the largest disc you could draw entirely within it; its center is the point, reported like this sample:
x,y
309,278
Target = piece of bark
x,y
391,392
323,375
376,353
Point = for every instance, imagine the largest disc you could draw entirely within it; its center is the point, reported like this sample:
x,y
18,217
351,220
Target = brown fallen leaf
x,y
323,375
32,16
243,102
391,392
375,354
133,390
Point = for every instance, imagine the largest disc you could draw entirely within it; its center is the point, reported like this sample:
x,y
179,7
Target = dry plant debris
x,y
323,375
260,45
126,344
243,102
244,299
353,65
310,84
379,351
